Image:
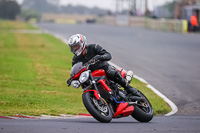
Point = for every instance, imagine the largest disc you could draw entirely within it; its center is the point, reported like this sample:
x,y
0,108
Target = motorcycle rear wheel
x,y
102,113
143,114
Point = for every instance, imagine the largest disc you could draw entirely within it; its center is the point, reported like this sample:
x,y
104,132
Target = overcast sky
x,y
107,4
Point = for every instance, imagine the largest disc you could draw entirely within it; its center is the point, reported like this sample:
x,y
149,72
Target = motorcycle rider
x,y
83,53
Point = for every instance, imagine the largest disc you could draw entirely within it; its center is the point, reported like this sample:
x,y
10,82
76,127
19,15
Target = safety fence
x,y
168,25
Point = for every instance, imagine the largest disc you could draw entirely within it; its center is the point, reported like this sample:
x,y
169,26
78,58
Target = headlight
x,y
75,83
84,76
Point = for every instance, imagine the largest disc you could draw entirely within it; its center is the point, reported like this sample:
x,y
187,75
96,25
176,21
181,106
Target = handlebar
x,y
87,65
91,62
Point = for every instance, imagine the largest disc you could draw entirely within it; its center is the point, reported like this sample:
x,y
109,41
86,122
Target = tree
x,y
44,6
29,14
170,6
9,9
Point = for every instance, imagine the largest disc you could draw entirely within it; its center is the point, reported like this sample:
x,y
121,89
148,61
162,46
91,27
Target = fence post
x,y
184,26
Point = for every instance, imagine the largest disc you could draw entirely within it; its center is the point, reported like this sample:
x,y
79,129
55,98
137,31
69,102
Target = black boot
x,y
117,77
131,90
122,81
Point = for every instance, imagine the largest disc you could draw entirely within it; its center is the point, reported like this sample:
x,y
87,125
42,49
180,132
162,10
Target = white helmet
x,y
77,44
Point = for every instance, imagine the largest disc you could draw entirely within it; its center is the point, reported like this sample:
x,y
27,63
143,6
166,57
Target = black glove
x,y
69,82
97,57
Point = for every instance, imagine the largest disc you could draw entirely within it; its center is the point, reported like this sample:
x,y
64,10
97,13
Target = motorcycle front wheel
x,y
143,111
100,112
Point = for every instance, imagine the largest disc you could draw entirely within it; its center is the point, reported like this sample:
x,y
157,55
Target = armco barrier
x,y
169,25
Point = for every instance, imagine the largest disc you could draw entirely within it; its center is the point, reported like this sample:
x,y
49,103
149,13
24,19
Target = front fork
x,y
96,91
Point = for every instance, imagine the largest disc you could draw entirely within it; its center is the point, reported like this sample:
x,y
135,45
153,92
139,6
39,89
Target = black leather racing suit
x,y
94,50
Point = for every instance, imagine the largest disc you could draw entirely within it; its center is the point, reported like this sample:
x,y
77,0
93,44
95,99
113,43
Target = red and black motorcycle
x,y
104,99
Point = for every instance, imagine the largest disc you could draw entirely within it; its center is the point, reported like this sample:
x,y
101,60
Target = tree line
x,y
9,9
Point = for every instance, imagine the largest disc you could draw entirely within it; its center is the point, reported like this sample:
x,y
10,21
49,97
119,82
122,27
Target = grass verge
x,y
6,24
33,71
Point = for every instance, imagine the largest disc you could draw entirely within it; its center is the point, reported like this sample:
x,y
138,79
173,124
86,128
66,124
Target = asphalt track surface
x,y
168,61
175,124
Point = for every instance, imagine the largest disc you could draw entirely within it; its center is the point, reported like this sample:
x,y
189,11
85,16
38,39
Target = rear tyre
x,y
100,112
143,112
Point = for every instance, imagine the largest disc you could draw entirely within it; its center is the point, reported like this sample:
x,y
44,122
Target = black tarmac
x,y
174,124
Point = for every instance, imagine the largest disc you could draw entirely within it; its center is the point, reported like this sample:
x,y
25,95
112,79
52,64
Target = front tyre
x,y
100,112
143,111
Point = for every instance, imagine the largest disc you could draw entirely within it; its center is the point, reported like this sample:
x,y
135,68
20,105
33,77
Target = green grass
x,y
6,24
33,73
